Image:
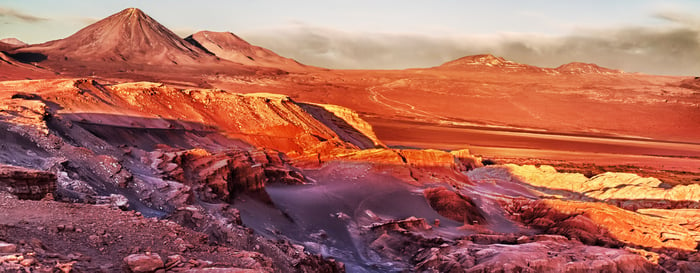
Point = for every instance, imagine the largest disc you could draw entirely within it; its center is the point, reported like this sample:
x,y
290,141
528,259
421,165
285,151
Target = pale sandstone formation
x,y
686,218
606,187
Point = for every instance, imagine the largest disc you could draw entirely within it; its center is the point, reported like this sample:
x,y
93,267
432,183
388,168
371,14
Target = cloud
x,y
17,15
86,20
672,48
184,32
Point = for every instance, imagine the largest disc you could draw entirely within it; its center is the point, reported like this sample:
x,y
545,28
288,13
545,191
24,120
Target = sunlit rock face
x,y
210,154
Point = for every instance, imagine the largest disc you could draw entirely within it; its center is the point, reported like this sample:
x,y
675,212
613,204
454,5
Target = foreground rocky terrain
x,y
116,160
277,182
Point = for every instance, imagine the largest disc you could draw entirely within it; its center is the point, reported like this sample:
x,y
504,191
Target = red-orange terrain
x,y
125,148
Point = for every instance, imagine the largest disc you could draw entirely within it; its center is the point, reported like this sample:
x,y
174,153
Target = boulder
x,y
453,205
141,263
7,247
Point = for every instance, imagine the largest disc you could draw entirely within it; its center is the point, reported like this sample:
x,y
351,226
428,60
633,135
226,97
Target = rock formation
x,y
26,183
618,188
204,155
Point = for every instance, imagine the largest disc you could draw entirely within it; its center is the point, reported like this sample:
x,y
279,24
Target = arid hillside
x,y
125,148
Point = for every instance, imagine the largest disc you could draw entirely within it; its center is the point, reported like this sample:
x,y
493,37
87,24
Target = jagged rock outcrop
x,y
602,224
26,183
406,240
221,175
543,254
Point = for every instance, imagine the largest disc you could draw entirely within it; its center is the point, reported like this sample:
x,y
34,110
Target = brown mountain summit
x,y
14,42
127,36
228,46
488,62
585,68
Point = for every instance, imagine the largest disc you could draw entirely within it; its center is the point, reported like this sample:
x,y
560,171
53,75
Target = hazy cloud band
x,y
14,14
672,49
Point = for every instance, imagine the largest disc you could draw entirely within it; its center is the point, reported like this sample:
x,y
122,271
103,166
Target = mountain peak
x,y
481,59
129,36
488,62
13,41
228,46
133,14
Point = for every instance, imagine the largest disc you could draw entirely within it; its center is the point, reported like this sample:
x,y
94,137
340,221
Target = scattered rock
x,y
148,262
7,247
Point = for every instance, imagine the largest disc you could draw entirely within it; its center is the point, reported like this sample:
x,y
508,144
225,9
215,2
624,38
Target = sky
x,y
649,36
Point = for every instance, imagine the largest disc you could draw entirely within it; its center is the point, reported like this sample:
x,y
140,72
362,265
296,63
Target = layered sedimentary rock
x,y
226,173
26,183
346,123
420,166
618,188
602,224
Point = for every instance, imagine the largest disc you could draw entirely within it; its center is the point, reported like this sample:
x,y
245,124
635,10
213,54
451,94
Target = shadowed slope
x,y
13,69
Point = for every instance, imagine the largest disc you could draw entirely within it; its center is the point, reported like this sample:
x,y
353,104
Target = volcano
x,y
129,36
114,157
228,46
